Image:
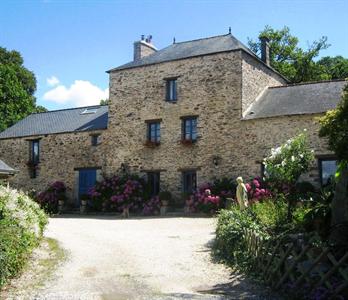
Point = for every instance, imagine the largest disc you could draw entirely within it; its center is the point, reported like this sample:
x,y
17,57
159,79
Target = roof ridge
x,y
70,108
306,83
194,40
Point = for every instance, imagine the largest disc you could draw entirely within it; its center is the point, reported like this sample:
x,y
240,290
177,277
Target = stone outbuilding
x,y
180,116
6,171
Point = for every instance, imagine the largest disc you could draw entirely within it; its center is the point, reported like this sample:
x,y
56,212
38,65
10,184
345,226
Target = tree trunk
x,y
339,208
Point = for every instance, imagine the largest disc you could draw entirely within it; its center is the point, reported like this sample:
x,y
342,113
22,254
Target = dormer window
x,y
171,89
90,110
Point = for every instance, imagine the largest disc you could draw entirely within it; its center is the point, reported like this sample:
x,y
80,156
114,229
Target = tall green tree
x,y
336,67
334,126
17,87
288,58
104,102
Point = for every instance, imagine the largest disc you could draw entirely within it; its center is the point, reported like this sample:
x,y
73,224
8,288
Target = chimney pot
x,y
143,47
265,51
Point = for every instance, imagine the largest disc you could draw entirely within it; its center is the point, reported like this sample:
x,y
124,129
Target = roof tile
x,y
59,121
308,98
187,49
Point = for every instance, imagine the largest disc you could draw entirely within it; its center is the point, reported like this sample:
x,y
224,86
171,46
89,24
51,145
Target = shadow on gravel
x,y
174,296
240,286
239,290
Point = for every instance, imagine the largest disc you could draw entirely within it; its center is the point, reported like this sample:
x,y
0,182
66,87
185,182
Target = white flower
x,y
292,158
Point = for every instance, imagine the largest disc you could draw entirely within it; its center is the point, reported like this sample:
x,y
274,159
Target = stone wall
x,y
263,134
60,155
209,87
216,88
256,78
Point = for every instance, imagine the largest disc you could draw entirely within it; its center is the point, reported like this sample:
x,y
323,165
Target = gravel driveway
x,y
140,258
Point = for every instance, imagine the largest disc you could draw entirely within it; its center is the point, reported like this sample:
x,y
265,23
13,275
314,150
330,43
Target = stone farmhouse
x,y
181,116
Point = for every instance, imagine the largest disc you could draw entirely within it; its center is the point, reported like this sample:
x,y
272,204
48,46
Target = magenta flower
x,y
256,183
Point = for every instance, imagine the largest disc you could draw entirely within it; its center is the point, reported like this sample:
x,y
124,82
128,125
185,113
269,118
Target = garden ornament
x,y
241,194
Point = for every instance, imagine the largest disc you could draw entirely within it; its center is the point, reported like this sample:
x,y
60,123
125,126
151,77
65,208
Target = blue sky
x,y
73,43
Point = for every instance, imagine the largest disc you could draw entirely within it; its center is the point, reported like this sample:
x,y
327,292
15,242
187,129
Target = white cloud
x,y
80,93
52,81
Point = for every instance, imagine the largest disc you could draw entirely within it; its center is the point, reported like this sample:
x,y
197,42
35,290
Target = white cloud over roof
x,y
80,93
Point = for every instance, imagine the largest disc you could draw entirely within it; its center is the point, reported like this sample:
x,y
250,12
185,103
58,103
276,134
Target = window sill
x,y
150,144
187,142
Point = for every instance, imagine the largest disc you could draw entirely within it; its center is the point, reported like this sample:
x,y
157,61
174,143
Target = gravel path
x,y
140,258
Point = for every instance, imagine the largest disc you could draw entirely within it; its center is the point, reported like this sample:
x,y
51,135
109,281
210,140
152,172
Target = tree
x,y
104,102
334,126
336,67
288,58
39,109
17,87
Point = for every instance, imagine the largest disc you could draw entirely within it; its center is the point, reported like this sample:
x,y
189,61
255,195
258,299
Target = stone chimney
x,y
144,47
265,52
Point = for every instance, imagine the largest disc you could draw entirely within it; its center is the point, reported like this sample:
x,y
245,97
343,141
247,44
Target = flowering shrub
x,y
211,197
118,192
152,206
224,188
286,163
204,201
22,223
48,199
257,190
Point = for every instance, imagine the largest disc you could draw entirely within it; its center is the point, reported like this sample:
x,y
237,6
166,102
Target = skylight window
x,y
90,110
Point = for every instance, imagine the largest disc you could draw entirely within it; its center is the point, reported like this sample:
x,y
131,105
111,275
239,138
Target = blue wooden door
x,y
87,179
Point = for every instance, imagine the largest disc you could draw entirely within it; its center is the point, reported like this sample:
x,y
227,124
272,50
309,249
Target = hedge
x,y
22,223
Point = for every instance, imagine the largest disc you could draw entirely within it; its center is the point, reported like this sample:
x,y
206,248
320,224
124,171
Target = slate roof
x,y
59,121
298,99
192,48
5,169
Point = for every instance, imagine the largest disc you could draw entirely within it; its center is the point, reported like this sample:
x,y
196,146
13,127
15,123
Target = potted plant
x,y
84,198
125,211
186,199
61,200
165,197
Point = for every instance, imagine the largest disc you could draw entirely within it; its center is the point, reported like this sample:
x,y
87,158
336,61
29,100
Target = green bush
x,y
271,214
22,223
229,243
